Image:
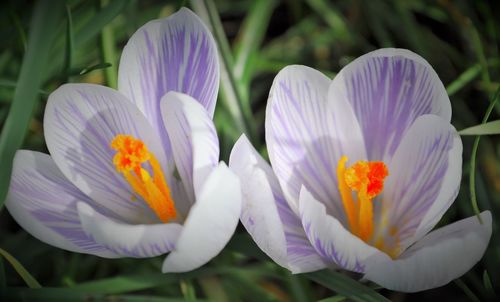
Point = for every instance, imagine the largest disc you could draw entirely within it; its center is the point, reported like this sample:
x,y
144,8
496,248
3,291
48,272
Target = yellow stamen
x,y
345,194
367,179
131,155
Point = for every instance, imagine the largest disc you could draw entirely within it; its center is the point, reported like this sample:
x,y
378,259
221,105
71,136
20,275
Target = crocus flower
x,y
363,168
135,172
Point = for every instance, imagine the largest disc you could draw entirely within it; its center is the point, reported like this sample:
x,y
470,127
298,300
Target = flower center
x,y
131,159
367,179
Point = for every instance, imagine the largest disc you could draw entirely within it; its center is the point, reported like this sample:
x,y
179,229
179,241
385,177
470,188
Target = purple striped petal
x,y
194,140
43,202
424,179
210,223
388,89
276,229
127,240
440,257
177,53
306,136
80,122
332,241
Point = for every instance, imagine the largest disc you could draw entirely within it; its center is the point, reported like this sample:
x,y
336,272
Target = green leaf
x,y
345,286
45,21
467,291
488,128
251,34
333,299
93,67
488,285
472,177
109,53
69,42
125,284
30,281
70,295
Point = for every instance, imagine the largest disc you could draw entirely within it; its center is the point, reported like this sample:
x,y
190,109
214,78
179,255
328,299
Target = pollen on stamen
x,y
131,152
369,174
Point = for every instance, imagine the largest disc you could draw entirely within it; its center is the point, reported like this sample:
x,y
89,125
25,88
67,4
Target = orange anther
x,y
131,155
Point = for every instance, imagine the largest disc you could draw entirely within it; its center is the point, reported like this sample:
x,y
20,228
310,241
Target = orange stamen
x,y
131,154
367,179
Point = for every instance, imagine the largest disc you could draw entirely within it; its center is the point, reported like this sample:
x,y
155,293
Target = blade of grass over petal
x,y
231,94
472,177
345,286
27,277
45,20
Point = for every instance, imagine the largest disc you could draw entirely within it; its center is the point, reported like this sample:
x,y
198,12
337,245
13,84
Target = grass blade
x,y
27,277
472,179
483,129
251,35
109,53
345,286
69,43
46,17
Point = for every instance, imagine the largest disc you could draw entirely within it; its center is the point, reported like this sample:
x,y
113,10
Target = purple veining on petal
x,y
81,122
414,188
305,144
329,253
176,59
51,199
388,94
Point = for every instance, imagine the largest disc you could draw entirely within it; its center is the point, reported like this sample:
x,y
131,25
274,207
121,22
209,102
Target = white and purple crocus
x,y
363,168
135,172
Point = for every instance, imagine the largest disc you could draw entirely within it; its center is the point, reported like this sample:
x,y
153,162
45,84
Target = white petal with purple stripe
x,y
424,174
210,224
440,257
194,140
388,89
306,136
44,202
80,122
332,241
177,53
266,215
127,240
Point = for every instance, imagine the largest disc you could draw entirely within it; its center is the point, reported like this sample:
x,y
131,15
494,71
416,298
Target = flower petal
x,y
194,140
266,215
306,136
331,240
138,241
43,202
440,257
388,89
177,53
80,122
424,179
210,223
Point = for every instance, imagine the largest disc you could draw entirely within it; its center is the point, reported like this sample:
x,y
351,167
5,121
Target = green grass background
x,y
44,44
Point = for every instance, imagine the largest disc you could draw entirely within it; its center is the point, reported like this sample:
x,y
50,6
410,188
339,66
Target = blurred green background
x,y
81,41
